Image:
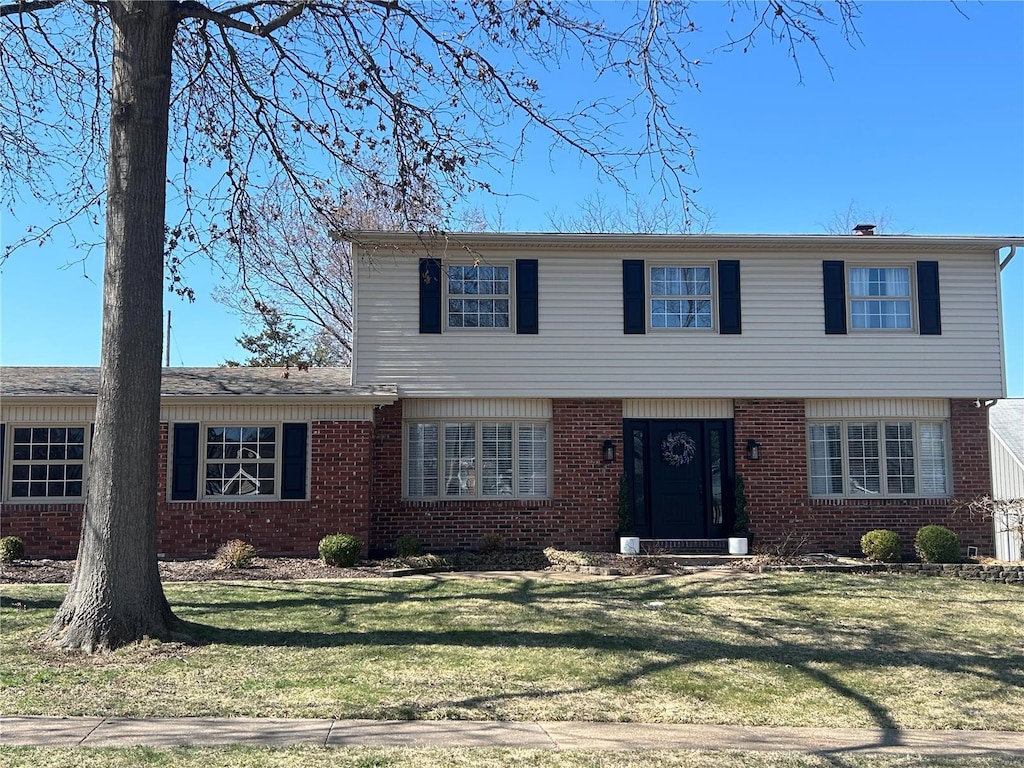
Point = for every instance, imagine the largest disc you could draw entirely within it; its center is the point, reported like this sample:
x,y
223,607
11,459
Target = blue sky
x,y
922,119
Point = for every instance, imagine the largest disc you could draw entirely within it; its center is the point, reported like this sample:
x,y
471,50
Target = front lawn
x,y
475,757
777,649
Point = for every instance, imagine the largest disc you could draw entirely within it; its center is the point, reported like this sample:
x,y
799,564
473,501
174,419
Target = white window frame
x,y
204,460
711,298
510,297
880,424
10,462
473,466
911,298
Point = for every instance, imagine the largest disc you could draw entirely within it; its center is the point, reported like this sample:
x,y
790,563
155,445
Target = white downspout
x,y
1009,257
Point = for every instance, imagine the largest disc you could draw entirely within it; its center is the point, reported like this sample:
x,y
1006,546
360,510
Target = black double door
x,y
679,477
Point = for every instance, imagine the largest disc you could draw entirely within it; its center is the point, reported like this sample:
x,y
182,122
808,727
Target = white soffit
x,y
485,408
674,408
931,408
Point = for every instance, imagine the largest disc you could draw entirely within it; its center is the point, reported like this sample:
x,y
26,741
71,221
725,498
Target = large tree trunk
x,y
115,596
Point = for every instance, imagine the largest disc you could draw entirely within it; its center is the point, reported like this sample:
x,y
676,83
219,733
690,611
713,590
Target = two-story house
x,y
552,388
844,378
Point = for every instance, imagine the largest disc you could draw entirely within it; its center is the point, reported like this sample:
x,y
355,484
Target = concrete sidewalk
x,y
271,732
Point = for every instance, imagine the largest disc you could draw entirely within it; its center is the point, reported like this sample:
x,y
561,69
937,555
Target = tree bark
x,y
115,596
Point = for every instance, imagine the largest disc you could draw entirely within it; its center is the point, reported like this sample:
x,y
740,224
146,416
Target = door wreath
x,y
678,448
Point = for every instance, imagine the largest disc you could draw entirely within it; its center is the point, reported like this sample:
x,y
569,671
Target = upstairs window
x,y
48,462
479,296
880,297
681,297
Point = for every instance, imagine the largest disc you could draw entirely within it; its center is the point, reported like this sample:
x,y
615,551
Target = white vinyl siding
x,y
878,459
478,459
582,352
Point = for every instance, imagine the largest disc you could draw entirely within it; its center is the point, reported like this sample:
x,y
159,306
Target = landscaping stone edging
x,y
1006,573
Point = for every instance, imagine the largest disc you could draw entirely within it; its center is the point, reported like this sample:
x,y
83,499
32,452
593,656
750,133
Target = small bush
x,y
937,544
492,542
564,557
11,548
408,546
881,545
236,554
340,550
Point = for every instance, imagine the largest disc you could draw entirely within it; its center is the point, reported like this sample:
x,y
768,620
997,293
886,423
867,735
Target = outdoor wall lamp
x,y
753,450
608,451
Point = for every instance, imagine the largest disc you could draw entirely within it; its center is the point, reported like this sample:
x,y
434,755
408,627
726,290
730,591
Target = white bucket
x,y
738,545
629,545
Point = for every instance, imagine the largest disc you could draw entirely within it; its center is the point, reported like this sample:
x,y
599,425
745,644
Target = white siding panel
x,y
1007,483
677,409
581,350
871,409
265,413
53,414
504,408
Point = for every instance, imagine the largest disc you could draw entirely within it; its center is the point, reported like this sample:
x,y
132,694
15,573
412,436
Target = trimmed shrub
x,y
937,544
236,554
881,545
491,543
408,546
11,548
340,550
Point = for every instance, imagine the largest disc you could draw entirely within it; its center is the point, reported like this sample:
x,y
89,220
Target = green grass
x,y
781,649
397,757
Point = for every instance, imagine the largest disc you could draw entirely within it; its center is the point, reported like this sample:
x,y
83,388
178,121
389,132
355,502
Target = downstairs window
x,y
888,458
477,459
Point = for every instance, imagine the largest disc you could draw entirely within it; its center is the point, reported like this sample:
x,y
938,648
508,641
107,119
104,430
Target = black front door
x,y
677,487
679,475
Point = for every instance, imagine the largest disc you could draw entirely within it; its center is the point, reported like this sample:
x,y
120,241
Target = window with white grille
x,y
477,459
884,458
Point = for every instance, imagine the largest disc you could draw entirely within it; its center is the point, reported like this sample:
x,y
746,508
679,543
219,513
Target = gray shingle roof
x,y
329,383
1006,419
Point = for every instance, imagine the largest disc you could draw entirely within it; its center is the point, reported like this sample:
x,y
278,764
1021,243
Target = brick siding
x,y
780,506
339,502
356,487
581,514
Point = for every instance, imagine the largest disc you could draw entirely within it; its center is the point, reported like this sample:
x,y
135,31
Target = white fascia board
x,y
462,244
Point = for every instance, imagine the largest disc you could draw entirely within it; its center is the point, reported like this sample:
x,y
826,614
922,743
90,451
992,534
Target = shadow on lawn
x,y
813,646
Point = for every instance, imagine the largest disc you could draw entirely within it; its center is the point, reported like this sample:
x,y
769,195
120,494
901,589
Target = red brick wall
x,y
339,503
356,487
582,513
780,507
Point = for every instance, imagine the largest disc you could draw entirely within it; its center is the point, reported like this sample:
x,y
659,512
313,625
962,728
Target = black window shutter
x,y
2,433
928,311
526,296
185,463
634,296
729,316
430,296
293,461
834,273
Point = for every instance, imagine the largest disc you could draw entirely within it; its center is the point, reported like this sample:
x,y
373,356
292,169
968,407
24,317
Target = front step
x,y
684,546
